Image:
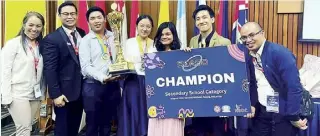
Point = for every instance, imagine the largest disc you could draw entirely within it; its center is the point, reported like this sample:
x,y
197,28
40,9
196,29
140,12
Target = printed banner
x,y
202,83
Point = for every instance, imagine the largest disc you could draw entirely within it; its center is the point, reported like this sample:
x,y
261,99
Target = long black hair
x,y
175,45
24,21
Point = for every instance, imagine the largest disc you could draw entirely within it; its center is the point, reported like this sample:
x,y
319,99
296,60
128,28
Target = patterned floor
x,y
8,128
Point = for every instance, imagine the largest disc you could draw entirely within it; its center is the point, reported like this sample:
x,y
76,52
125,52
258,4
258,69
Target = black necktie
x,y
74,37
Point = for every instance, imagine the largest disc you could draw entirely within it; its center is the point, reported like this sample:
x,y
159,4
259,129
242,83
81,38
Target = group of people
x,y
74,67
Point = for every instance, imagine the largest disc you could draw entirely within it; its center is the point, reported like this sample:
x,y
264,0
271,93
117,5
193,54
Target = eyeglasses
x,y
251,35
67,14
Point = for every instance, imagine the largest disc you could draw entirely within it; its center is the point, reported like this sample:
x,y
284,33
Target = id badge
x,y
37,91
273,103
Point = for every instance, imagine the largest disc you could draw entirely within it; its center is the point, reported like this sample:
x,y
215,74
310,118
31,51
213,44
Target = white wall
x,y
311,19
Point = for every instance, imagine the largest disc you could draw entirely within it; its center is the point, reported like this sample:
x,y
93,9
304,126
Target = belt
x,y
91,81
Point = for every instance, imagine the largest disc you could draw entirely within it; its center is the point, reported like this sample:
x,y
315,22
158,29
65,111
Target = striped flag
x,y
58,22
182,23
16,10
240,17
222,21
195,29
164,12
82,21
122,8
133,17
1,43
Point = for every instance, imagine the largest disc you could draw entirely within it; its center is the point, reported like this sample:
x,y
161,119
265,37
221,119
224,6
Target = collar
x,y
68,31
106,33
213,35
259,52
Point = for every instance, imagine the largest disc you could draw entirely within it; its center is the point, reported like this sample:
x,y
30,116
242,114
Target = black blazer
x,y
61,65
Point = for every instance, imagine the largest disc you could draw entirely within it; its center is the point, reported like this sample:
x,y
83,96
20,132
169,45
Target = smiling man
x,y
97,52
62,70
208,37
277,112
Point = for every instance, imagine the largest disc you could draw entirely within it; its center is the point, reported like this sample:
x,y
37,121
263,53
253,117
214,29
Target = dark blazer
x,y
61,65
279,66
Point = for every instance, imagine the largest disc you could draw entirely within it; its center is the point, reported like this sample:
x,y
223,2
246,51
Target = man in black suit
x,y
62,71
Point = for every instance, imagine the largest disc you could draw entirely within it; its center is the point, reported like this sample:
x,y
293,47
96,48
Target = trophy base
x,y
121,69
123,72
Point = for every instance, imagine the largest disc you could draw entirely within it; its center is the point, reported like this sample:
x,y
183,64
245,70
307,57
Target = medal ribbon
x,y
35,56
142,51
105,48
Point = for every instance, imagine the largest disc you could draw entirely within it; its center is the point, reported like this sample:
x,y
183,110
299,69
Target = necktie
x,y
75,47
74,37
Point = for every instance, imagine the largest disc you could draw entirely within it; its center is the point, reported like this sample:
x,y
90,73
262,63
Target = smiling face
x,y
97,21
252,36
68,16
204,21
33,27
166,37
152,111
144,28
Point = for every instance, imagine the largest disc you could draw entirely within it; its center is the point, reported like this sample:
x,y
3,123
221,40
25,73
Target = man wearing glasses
x,y
62,71
278,85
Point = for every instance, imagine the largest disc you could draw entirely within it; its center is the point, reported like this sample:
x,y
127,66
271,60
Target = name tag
x,y
273,103
37,91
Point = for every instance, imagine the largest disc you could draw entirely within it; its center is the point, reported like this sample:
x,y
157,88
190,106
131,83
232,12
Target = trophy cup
x,y
120,66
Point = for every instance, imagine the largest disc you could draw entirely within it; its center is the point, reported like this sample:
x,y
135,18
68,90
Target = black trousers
x,y
271,124
99,105
68,118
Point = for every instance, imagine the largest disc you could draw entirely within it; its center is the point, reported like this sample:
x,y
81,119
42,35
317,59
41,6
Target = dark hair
x,y
93,9
176,41
203,7
67,3
144,17
24,21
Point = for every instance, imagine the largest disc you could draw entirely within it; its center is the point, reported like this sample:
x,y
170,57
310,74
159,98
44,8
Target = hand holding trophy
x,y
120,66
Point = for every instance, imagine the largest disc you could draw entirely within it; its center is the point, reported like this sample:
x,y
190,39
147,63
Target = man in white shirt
x,y
277,112
97,52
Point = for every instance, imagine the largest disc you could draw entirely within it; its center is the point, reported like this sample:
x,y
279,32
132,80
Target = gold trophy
x,y
115,21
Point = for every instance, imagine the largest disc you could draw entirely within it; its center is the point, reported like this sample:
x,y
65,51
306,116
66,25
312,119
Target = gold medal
x,y
105,56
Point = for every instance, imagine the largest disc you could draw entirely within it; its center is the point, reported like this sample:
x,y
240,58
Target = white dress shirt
x,y
131,53
90,55
18,74
264,88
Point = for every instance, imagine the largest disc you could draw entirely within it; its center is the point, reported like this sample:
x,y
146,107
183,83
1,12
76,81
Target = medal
x,y
105,56
105,49
142,68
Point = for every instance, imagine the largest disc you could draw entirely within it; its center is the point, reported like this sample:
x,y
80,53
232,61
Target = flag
x,y
240,17
1,35
16,10
121,7
58,21
101,4
182,23
82,21
222,21
195,29
133,17
164,12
